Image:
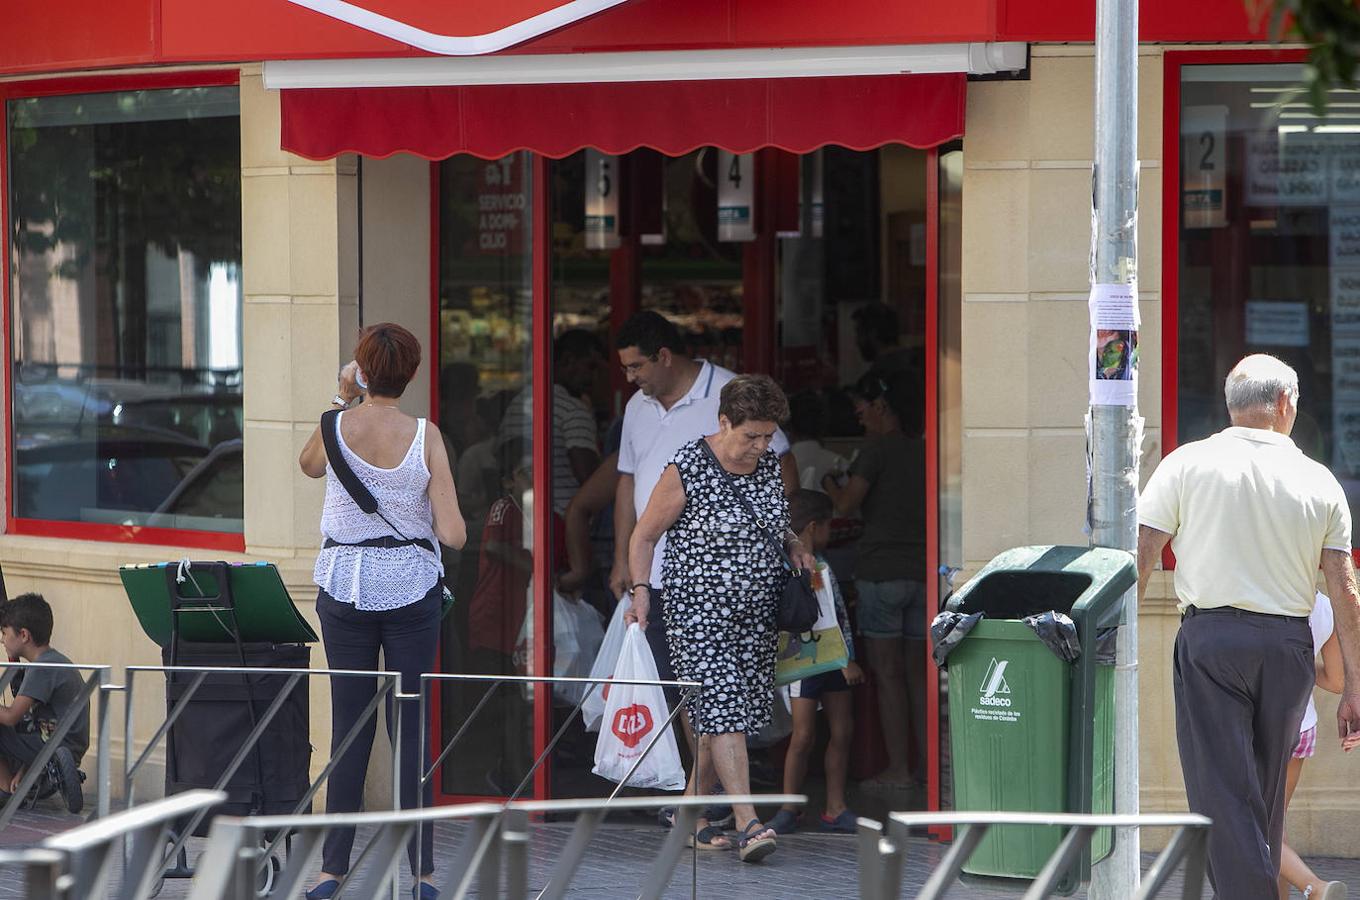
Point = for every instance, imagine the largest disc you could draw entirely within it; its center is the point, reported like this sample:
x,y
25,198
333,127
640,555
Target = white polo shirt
x,y
652,434
1249,516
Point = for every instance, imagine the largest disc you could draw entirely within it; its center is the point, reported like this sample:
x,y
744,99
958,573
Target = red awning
x,y
674,117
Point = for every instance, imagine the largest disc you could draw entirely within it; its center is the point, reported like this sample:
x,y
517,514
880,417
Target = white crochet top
x,y
377,578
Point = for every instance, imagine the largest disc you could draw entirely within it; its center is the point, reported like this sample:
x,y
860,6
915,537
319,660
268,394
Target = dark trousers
x,y
407,637
1242,682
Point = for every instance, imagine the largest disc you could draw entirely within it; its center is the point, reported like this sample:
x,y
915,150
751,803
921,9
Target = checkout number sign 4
x,y
994,700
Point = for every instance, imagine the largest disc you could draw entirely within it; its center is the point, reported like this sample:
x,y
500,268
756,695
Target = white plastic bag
x,y
632,716
577,633
605,661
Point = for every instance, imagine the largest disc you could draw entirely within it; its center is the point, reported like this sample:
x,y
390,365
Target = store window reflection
x,y
485,362
1269,251
125,235
811,268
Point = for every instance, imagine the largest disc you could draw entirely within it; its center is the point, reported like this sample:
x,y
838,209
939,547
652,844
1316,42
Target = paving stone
x,y
805,866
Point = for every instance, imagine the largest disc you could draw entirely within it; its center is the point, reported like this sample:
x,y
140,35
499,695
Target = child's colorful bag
x,y
820,650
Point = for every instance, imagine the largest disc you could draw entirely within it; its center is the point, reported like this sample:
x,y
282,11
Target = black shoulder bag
x,y
364,499
797,609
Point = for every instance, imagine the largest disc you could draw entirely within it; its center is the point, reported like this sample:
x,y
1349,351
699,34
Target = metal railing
x,y
95,685
79,864
687,690
881,850
493,854
386,685
428,683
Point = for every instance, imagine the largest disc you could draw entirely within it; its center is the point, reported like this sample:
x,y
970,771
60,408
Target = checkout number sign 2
x,y
1204,170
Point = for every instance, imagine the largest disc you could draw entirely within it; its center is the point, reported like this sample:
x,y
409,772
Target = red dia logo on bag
x,y
632,724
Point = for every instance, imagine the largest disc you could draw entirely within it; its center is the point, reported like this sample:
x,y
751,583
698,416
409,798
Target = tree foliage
x,y
1330,28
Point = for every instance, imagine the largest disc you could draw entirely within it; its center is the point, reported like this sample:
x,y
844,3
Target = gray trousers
x,y
1242,682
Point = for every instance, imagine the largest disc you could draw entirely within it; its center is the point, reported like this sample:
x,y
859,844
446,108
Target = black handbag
x,y
797,610
364,499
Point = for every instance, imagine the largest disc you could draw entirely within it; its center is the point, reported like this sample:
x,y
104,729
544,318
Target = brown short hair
x,y
753,398
389,356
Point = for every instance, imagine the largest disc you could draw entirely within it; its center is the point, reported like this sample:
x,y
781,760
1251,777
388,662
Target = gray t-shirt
x,y
54,691
893,546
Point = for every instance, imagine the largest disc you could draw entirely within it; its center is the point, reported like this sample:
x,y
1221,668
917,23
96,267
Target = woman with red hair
x,y
379,575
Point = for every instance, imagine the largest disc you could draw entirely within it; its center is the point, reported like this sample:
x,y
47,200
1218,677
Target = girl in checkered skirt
x,y
1293,870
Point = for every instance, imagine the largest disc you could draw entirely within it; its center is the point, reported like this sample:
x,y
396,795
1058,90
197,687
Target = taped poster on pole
x,y
1114,345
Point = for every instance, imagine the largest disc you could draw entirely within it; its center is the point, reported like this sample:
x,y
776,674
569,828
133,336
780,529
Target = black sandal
x,y
704,839
752,847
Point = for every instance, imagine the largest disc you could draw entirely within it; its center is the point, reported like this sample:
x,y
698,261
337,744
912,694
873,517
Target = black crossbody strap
x,y
358,492
746,504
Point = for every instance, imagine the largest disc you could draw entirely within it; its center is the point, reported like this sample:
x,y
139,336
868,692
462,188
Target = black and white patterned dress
x,y
721,580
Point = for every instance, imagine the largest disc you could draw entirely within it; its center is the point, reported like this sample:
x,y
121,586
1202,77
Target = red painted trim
x,y
128,534
541,329
135,81
1173,62
932,486
6,349
758,275
436,355
436,733
86,531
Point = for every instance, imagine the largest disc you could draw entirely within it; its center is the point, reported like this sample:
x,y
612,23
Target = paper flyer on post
x,y
1114,345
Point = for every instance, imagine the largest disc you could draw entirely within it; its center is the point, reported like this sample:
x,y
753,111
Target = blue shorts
x,y
892,609
825,683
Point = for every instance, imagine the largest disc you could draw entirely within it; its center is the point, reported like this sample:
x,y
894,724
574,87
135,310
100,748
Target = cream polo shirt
x,y
1249,517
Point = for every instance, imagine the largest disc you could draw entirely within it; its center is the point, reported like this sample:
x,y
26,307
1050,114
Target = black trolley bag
x,y
214,724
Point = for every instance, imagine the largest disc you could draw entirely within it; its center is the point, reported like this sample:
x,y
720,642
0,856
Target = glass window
x,y
485,357
125,241
1270,251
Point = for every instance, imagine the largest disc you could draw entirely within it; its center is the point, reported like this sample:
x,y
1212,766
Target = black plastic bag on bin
x,y
1105,645
1058,632
948,629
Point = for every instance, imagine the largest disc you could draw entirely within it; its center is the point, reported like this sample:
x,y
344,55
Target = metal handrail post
x,y
515,839
966,840
1069,851
103,776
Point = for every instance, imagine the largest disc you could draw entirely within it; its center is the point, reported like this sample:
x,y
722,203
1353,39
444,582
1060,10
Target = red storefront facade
x,y
643,80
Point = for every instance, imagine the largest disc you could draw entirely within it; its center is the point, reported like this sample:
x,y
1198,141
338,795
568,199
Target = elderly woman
x,y
722,579
379,575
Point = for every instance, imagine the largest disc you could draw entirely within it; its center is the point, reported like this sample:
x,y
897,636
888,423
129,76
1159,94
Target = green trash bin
x,y
1030,732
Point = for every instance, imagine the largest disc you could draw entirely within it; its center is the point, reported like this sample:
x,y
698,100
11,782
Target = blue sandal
x,y
751,845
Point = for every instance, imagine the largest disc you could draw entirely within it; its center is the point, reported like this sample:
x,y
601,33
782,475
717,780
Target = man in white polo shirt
x,y
676,402
1250,519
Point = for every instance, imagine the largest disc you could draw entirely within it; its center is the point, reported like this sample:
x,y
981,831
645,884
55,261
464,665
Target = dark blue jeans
x,y
407,637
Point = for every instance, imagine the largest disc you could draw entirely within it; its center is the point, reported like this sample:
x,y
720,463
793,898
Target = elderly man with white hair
x,y
1250,519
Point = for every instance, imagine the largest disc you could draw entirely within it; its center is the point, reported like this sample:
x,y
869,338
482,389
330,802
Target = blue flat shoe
x,y
846,823
324,891
424,891
785,822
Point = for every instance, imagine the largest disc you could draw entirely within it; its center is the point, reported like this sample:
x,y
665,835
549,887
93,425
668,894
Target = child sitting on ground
x,y
810,514
43,699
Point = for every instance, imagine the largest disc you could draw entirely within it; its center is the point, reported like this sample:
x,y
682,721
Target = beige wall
x,y
1026,221
396,241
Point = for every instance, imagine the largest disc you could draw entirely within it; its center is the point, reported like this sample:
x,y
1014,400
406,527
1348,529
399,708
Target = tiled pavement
x,y
805,866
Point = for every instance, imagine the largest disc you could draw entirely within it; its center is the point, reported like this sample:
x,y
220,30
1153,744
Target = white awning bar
x,y
666,65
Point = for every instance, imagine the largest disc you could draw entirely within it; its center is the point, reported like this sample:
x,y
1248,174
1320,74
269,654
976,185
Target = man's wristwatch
x,y
339,402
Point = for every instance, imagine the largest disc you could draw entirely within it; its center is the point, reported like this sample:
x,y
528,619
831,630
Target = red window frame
x,y
90,531
760,358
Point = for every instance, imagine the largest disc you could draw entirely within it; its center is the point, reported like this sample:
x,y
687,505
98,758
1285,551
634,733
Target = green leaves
x,y
1331,28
